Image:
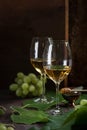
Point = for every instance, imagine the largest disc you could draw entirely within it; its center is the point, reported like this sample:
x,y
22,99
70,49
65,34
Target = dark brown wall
x,y
20,20
78,37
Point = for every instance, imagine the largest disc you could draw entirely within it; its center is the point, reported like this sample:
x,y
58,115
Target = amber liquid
x,y
57,73
38,65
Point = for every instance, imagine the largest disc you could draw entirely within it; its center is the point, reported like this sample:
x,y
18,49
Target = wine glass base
x,y
56,112
41,100
44,100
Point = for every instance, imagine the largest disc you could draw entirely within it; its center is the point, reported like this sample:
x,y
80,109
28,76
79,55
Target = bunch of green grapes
x,y
5,127
27,85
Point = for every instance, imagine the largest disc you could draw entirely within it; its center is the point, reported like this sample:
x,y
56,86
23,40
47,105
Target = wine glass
x,y
36,58
57,62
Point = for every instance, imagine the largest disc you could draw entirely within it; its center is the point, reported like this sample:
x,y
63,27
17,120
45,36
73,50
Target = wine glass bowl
x,y
57,63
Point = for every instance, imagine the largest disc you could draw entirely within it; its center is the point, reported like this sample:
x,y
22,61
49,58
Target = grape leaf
x,y
70,117
81,117
78,116
21,115
56,122
60,122
82,96
37,105
42,106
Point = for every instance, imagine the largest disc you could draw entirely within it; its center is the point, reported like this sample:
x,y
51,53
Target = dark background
x,y
78,40
20,20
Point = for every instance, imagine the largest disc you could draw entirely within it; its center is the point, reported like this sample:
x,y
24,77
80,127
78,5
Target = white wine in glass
x,y
36,58
58,51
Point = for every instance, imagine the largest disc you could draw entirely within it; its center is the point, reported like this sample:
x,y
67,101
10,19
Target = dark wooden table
x,y
7,100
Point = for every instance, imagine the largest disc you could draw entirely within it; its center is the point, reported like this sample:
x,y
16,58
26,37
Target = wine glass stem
x,y
43,76
57,96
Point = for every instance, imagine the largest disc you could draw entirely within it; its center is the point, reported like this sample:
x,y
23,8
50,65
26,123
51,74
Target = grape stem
x,y
25,106
2,107
9,125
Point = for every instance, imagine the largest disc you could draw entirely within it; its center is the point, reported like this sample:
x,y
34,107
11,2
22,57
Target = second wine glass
x,y
36,58
57,62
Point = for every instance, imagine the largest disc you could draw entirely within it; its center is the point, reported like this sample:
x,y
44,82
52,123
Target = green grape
x,y
2,127
25,92
13,87
25,86
27,79
44,79
20,75
19,92
39,84
31,88
33,78
83,102
19,81
10,128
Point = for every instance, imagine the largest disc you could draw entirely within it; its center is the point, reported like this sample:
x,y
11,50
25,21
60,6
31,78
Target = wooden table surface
x,y
7,100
